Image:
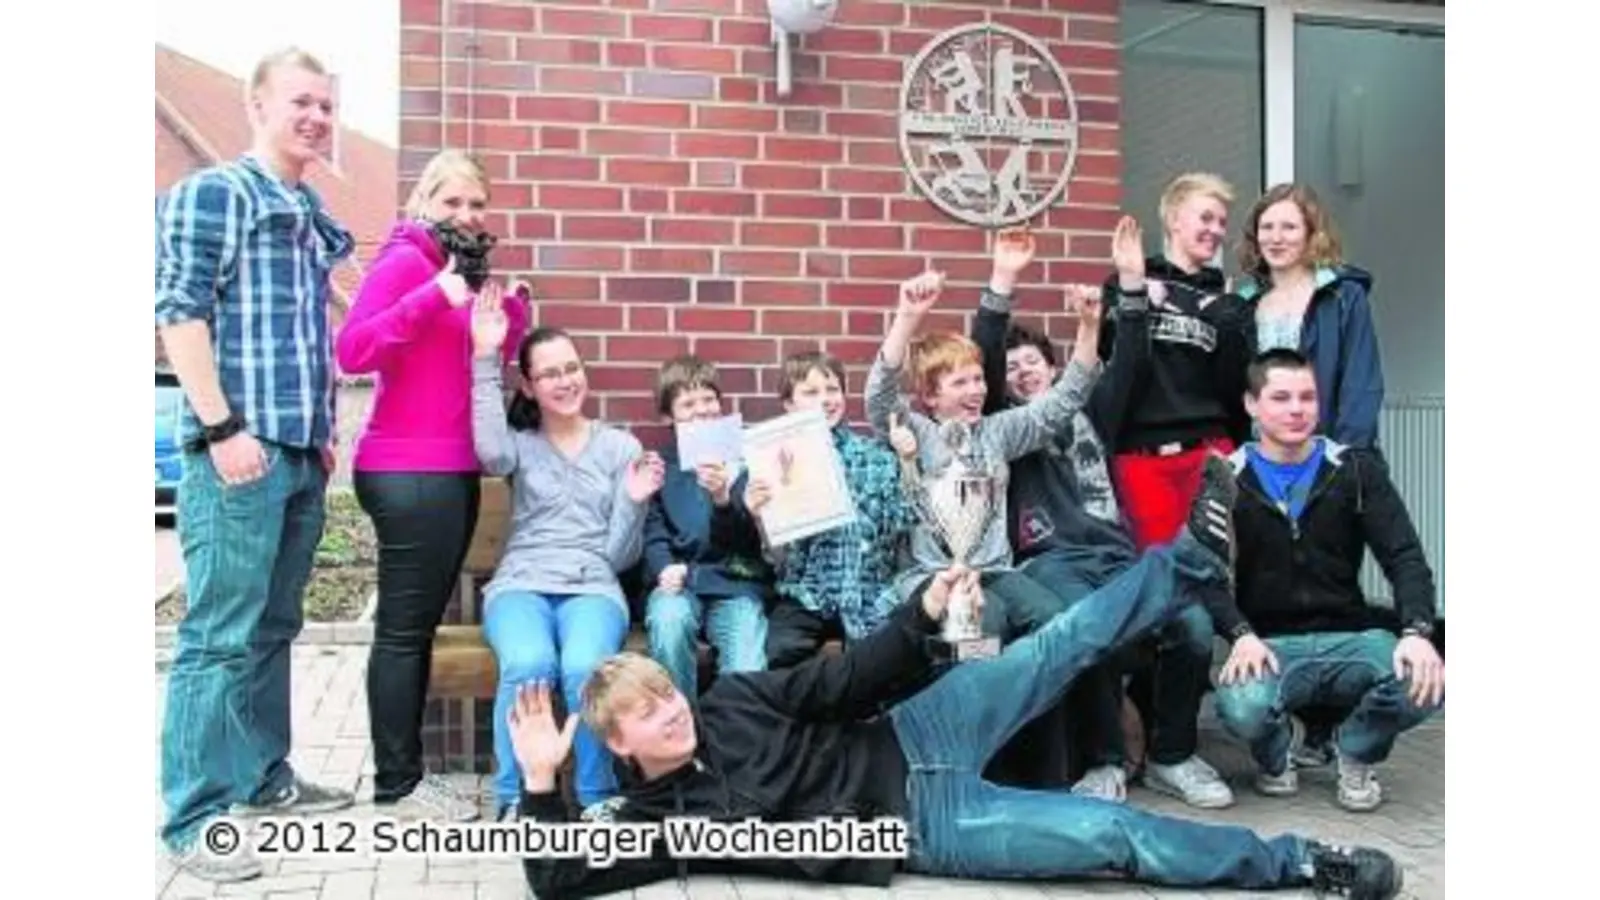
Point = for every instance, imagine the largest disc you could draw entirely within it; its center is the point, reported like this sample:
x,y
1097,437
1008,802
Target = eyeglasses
x,y
570,370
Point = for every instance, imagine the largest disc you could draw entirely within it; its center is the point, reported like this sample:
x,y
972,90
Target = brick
x,y
718,146
602,228
648,200
588,199
420,133
893,267
617,408
550,167
799,206
739,90
781,293
579,257
1090,246
585,22
647,318
420,12
1084,30
510,257
648,113
1046,29
533,226
810,92
670,259
558,109
479,45
735,118
955,239
502,76
785,234
493,17
553,137
671,28
714,203
915,209
582,81
865,322
1105,166
736,350
854,351
875,153
862,68
1069,272
626,55
806,322
938,18
863,125
716,173
1095,84
863,293
420,42
609,377
731,32
866,12
655,348
802,121
479,105
716,291
847,40
686,58
760,262
693,320
1086,56
782,178
674,85
559,51
709,232
865,208
420,102
866,237
1099,111
609,142
726,7
640,171
866,181
581,316
627,289
871,96
763,63
1093,193
804,150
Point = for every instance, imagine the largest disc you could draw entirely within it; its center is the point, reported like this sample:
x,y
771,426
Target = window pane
x,y
1369,137
1191,101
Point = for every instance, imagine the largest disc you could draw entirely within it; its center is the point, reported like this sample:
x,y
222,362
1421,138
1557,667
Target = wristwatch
x,y
1240,630
1422,630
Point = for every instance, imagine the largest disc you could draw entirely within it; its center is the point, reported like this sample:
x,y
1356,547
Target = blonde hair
x,y
618,685
1323,247
445,165
1180,189
936,355
287,56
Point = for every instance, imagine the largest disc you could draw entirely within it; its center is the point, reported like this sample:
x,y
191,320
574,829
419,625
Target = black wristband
x,y
216,434
1422,630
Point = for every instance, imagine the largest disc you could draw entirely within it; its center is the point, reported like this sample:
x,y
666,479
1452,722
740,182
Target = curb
x,y
338,634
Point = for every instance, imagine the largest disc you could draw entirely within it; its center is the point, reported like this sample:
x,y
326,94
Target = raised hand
x,y
454,286
489,324
644,477
1013,252
1127,252
1083,300
757,494
540,748
714,478
917,295
901,438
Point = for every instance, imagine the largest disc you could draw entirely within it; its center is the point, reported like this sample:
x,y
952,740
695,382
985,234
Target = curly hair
x,y
1322,240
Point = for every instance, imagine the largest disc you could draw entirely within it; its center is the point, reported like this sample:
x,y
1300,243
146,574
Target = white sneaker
x,y
202,863
1359,790
1193,781
1288,782
1108,783
434,799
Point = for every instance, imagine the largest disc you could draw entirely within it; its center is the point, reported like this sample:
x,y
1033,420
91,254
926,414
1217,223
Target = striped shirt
x,y
249,255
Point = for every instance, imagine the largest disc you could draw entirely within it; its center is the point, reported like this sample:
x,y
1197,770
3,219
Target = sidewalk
x,y
331,746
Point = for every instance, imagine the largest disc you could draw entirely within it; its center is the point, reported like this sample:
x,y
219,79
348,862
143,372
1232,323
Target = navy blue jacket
x,y
721,547
1338,337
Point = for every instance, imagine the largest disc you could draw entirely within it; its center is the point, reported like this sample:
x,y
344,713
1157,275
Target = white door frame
x,y
1278,19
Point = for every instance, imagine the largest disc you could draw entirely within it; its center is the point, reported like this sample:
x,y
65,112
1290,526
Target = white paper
x,y
712,442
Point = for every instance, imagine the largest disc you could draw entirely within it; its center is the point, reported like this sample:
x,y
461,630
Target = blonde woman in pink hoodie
x,y
416,472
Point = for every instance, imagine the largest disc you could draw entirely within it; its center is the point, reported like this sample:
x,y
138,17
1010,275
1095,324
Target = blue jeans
x,y
247,554
558,640
1349,671
1181,675
736,626
964,826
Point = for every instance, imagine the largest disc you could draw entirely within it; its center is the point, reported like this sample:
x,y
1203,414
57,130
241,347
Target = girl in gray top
x,y
580,490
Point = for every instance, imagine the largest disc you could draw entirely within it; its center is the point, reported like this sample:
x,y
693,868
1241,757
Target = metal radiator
x,y
1411,433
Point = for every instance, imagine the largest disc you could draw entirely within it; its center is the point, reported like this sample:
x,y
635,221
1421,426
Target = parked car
x,y
169,455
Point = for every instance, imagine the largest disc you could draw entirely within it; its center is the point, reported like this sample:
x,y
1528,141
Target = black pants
x,y
1039,755
424,523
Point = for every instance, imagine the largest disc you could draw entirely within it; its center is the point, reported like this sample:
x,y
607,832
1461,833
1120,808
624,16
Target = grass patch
x,y
344,575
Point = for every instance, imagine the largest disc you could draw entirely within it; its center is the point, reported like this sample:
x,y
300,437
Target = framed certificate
x,y
795,454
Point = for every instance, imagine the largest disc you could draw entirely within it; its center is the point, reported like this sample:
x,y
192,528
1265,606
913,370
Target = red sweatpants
x,y
1156,491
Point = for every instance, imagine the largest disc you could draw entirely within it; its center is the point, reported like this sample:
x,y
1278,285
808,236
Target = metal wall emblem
x,y
988,125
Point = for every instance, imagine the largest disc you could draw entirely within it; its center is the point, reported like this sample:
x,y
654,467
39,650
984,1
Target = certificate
x,y
795,455
715,442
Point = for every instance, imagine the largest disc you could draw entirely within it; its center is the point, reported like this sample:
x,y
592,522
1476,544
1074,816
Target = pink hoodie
x,y
403,328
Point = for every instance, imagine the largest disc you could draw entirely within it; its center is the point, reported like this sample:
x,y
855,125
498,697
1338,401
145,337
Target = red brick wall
x,y
663,199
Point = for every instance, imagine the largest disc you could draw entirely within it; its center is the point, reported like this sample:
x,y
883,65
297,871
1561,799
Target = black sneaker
x,y
1211,515
1360,873
299,798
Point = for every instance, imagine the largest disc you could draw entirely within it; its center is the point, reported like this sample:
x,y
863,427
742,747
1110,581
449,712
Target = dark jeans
x,y
1177,678
1039,755
424,522
965,826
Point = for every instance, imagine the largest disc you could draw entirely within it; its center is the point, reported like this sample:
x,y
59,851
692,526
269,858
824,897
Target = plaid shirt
x,y
250,256
847,572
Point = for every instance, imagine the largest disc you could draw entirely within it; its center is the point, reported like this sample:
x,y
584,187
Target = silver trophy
x,y
959,506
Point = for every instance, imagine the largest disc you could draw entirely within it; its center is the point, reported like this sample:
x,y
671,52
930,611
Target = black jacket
x,y
1299,578
790,745
1189,387
720,547
1060,497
